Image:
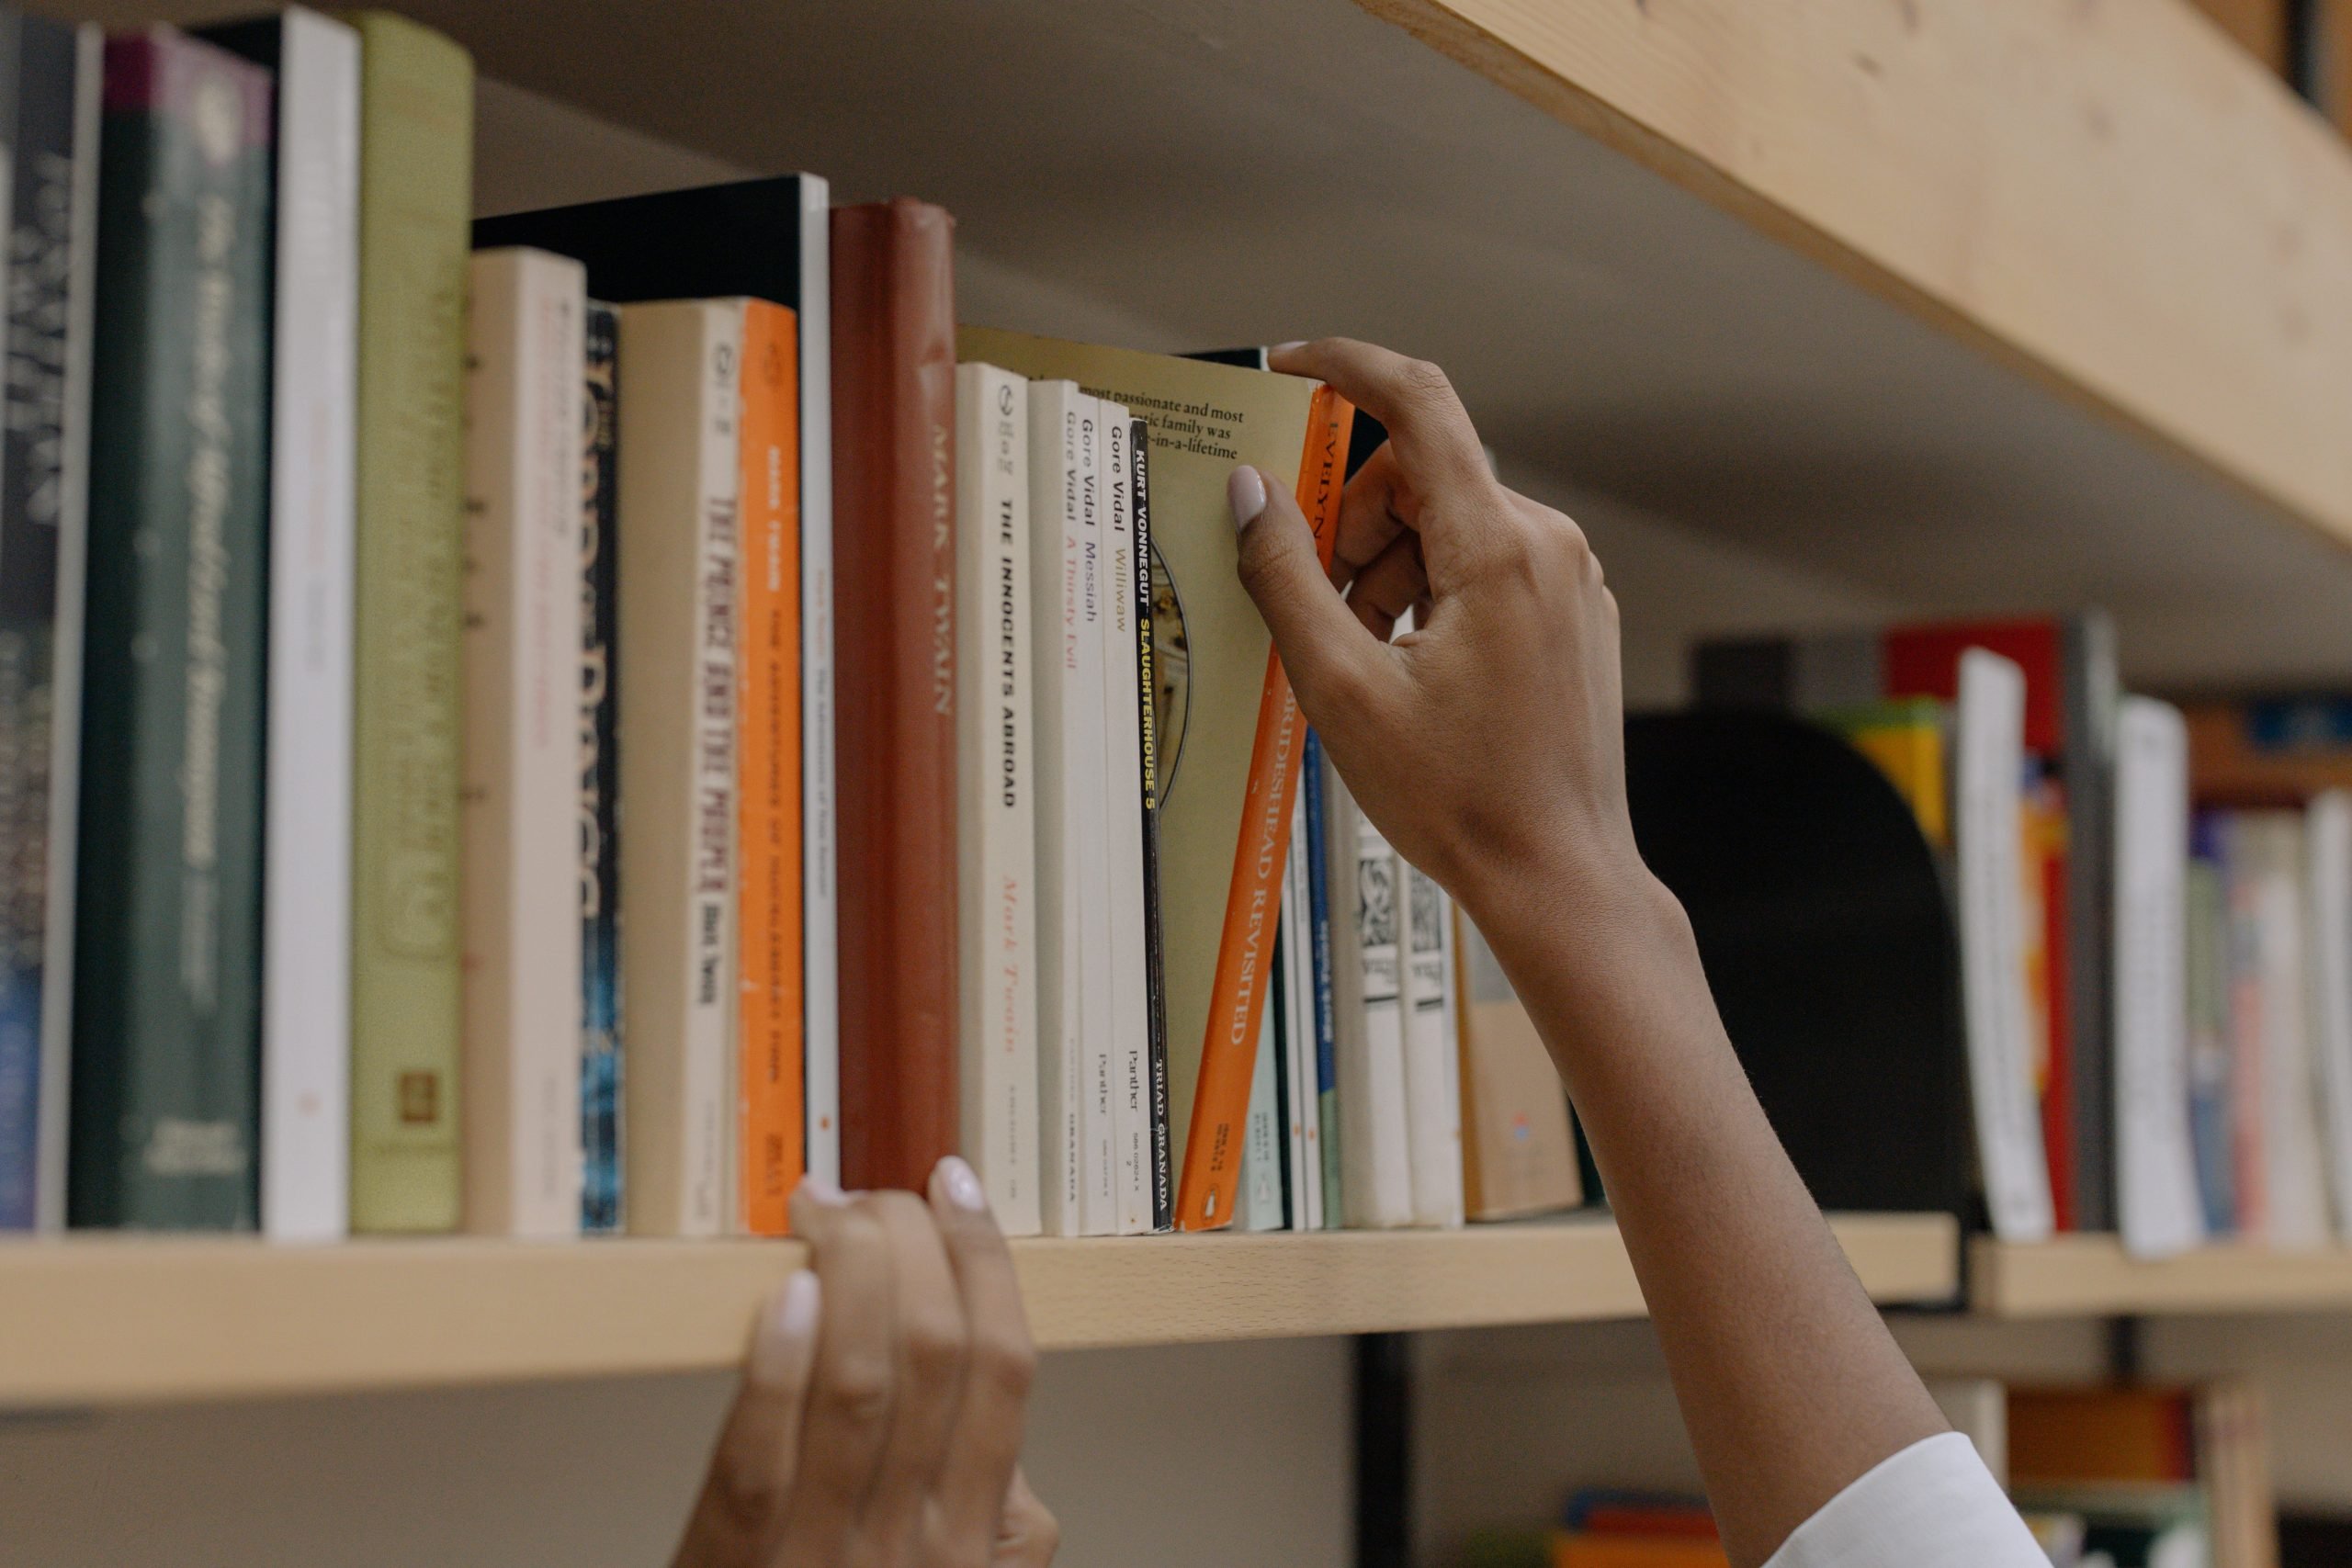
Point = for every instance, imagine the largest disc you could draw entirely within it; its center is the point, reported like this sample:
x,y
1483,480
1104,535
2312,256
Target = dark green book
x,y
168,983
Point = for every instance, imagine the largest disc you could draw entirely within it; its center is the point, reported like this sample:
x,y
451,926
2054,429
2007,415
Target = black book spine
x,y
601,1048
1164,1172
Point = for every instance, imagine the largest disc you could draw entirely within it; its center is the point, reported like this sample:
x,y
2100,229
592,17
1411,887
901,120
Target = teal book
x,y
168,983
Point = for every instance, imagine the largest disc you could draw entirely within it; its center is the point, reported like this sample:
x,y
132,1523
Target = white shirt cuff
x,y
1933,1505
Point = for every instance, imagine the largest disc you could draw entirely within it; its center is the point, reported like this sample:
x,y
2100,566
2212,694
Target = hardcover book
x,y
524,347
894,462
44,478
764,238
416,189
996,794
305,902
167,964
1228,732
603,999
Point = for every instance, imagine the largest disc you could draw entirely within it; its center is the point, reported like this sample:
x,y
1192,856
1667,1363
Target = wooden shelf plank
x,y
2091,1276
133,1319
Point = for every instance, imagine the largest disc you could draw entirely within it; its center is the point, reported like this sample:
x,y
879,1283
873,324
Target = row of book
x,y
2153,911
581,719
2135,1476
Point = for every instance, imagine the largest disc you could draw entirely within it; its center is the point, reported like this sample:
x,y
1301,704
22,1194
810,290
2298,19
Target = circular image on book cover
x,y
1171,673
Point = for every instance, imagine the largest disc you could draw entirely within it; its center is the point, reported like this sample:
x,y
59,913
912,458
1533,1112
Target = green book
x,y
167,975
415,202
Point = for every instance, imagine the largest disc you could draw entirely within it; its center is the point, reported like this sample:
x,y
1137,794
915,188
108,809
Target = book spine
x,y
1154,955
306,938
1262,1151
602,1037
1436,1153
996,794
680,464
894,408
2207,960
2294,1190
2090,694
1055,444
2329,832
1373,1093
2247,1075
1086,755
772,1127
820,834
43,523
1295,976
1989,769
415,194
1318,904
167,961
1130,1036
524,347
1239,994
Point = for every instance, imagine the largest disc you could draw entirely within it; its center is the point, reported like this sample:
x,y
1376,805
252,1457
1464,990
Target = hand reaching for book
x,y
878,1424
1487,743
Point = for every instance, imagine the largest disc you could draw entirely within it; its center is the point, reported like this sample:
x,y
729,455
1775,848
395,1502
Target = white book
x,y
1367,983
1087,780
526,341
81,216
821,857
1261,1207
2270,891
2328,827
680,468
1457,1199
306,859
1055,444
2157,1202
1988,810
1130,1038
996,891
1300,1108
1432,1094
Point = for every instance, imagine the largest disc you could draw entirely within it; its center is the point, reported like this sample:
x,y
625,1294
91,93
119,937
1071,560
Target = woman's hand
x,y
1487,743
879,1423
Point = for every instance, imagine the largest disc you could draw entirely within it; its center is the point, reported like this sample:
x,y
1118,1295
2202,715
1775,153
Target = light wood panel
x,y
115,1319
2089,1276
2109,196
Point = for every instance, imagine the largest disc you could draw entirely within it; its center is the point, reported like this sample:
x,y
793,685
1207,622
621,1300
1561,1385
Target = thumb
x,y
1324,650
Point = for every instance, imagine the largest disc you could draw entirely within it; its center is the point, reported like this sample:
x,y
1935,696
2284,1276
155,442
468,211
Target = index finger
x,y
1436,445
999,1359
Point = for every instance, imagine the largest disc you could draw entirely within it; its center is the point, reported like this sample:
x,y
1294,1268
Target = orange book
x,y
1245,953
1635,1552
2062,1436
771,1129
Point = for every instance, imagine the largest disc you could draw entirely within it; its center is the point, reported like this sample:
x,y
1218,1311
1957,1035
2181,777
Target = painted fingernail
x,y
1286,347
820,1190
961,1187
1245,492
785,1328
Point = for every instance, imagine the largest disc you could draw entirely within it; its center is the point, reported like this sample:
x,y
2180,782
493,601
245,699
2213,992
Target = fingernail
x,y
785,1328
820,1190
1286,347
961,1187
1247,494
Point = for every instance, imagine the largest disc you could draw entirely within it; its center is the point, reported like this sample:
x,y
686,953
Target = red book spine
x,y
894,563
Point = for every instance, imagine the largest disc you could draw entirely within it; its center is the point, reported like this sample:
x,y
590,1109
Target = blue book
x,y
1319,907
600,775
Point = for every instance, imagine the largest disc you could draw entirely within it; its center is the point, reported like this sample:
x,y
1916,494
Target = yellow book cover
x,y
1227,730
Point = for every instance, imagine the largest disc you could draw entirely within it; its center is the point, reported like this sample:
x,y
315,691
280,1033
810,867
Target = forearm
x,y
1790,1385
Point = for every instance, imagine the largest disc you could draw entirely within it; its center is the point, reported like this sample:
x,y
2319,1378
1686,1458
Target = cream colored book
x,y
1432,1090
996,794
1368,991
678,523
1519,1154
524,346
1130,1038
1227,733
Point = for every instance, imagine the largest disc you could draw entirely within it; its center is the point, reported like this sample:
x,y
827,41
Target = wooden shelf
x,y
2089,1276
128,1319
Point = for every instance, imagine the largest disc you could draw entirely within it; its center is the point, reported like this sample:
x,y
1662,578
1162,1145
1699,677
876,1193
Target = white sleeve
x,y
1933,1505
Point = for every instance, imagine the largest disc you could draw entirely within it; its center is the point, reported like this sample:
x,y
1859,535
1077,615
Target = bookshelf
x,y
2091,1276
107,1320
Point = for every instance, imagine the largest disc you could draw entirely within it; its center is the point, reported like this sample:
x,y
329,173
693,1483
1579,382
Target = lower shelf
x,y
2092,1276
94,1320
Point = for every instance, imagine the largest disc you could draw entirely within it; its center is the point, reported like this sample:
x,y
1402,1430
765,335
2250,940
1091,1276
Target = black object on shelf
x,y
1829,941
